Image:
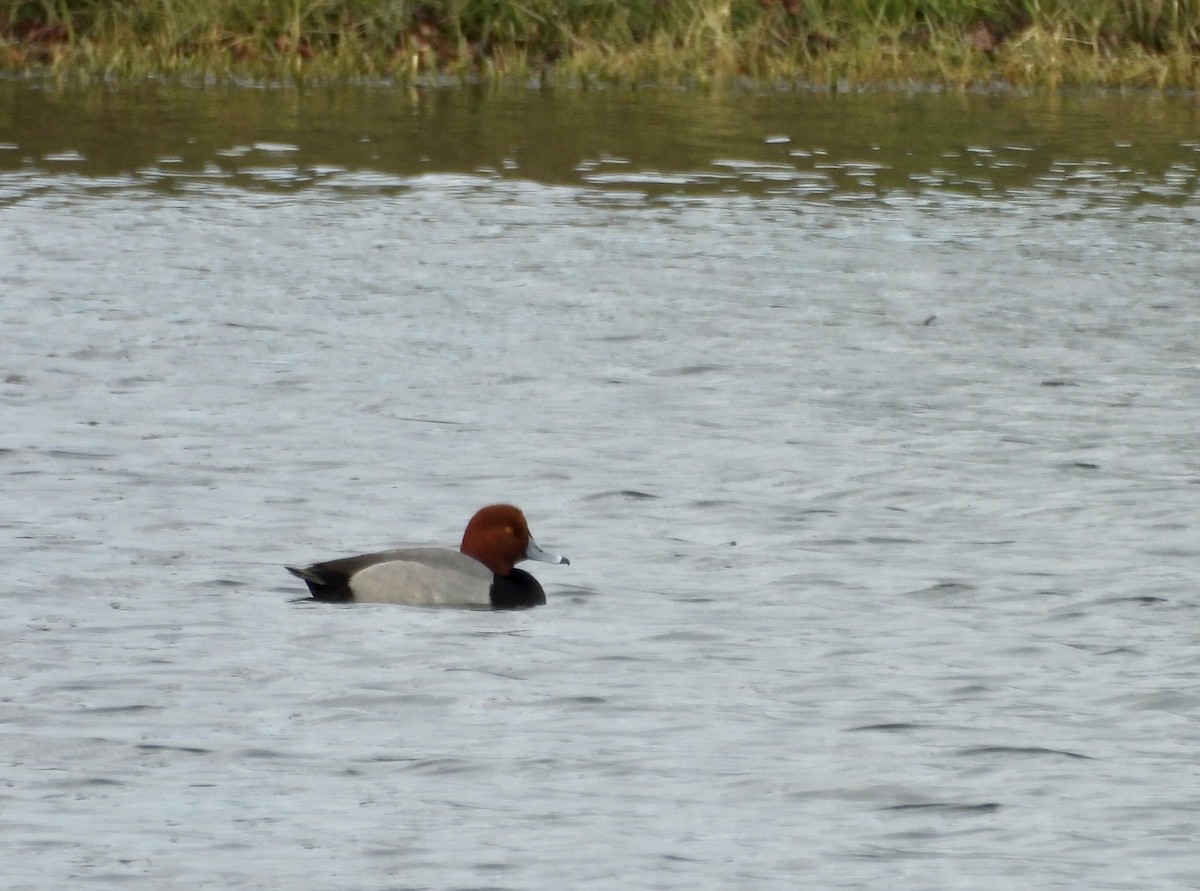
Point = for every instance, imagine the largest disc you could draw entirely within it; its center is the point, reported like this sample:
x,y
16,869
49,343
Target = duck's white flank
x,y
425,577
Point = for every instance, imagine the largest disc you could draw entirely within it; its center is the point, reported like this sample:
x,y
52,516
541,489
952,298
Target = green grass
x,y
823,43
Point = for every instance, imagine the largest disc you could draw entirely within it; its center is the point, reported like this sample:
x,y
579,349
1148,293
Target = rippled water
x,y
868,423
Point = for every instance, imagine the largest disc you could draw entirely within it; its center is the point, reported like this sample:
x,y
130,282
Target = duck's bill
x,y
533,552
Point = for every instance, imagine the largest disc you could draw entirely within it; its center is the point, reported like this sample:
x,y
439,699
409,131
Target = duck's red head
x,y
498,537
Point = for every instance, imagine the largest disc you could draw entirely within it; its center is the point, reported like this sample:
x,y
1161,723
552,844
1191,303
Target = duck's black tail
x,y
323,586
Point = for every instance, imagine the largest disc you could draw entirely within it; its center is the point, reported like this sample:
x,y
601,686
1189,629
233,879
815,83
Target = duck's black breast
x,y
517,590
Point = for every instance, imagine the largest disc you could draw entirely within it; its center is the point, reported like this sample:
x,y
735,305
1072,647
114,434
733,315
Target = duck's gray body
x,y
419,577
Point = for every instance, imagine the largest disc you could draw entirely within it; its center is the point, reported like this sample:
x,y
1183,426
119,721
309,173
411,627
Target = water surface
x,y
868,424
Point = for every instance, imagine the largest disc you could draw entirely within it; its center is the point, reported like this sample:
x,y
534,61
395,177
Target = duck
x,y
481,574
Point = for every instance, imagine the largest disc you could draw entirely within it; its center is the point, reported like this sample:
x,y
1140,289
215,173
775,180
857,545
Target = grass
x,y
833,44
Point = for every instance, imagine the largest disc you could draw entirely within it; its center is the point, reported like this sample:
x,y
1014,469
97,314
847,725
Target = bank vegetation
x,y
823,44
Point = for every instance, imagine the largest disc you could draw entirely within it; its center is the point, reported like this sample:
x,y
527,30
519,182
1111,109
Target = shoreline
x,y
693,44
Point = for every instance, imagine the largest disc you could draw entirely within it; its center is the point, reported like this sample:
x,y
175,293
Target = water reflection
x,y
1112,149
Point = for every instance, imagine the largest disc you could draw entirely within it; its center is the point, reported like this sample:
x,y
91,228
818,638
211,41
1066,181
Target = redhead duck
x,y
481,573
